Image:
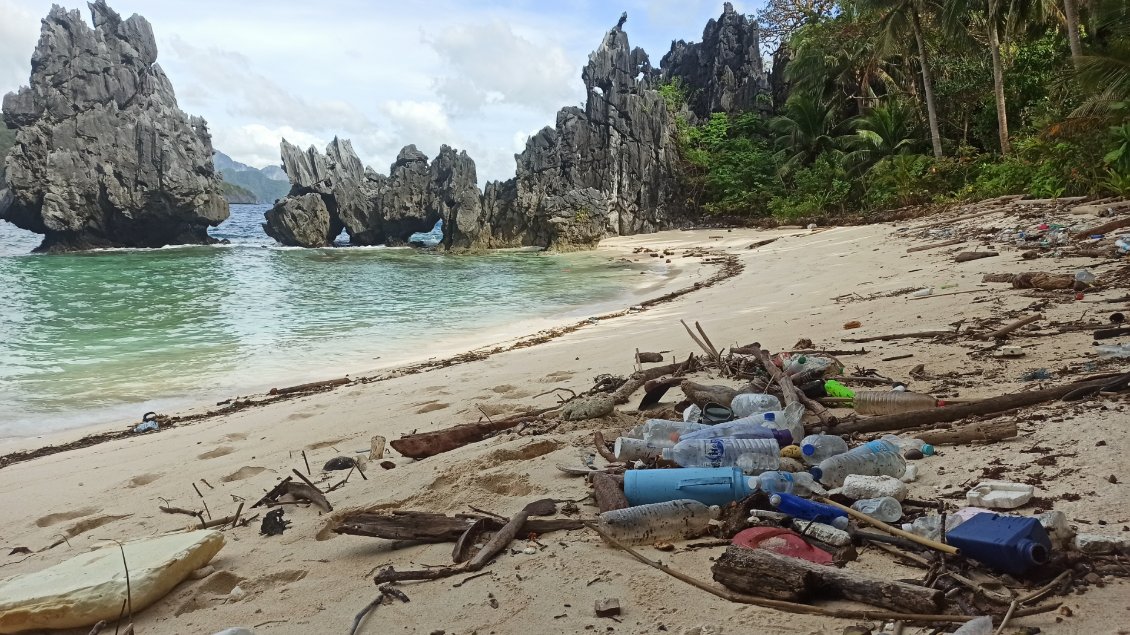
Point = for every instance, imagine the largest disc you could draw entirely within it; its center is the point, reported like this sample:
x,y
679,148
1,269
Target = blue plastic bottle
x,y
1011,544
707,485
803,509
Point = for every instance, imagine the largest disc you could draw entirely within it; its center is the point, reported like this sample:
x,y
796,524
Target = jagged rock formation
x,y
723,72
610,168
372,208
103,155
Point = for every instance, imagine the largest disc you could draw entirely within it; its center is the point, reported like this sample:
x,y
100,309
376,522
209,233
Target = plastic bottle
x,y
749,403
1113,350
776,482
931,526
655,522
663,433
875,458
629,449
1012,544
787,419
872,402
910,444
817,447
707,485
740,430
798,507
886,509
798,364
754,463
720,452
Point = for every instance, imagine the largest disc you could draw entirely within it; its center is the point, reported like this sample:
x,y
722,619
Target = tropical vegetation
x,y
892,103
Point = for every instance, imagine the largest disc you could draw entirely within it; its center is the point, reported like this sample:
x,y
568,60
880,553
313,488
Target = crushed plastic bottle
x,y
817,447
740,430
798,507
910,444
658,522
872,402
886,508
875,458
748,403
799,484
720,452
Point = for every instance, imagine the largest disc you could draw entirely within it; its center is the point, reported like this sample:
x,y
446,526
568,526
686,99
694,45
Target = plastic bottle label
x,y
715,450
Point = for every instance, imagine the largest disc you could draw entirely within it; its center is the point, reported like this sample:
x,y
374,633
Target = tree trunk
x,y
928,84
998,80
1071,16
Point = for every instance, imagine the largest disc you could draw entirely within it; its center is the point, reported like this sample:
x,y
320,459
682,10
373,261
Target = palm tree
x,y
1071,22
806,130
885,131
999,19
1104,70
897,19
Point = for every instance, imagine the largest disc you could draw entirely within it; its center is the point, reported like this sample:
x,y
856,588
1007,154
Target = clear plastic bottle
x,y
656,522
754,463
664,433
740,430
720,452
910,444
931,526
886,509
875,458
817,447
776,482
798,364
749,403
787,419
873,402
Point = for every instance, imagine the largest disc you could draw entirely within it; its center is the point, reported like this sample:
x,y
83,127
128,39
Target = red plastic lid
x,y
783,541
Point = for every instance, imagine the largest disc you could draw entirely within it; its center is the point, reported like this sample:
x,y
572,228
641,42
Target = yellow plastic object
x,y
791,452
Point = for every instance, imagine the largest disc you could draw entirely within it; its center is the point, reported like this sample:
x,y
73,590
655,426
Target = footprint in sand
x,y
432,407
93,522
54,519
143,479
557,376
247,471
235,436
325,444
223,450
300,415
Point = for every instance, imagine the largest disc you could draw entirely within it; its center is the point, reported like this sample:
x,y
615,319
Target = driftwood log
x,y
425,444
702,394
641,377
1105,228
948,243
997,430
430,527
314,385
1003,332
947,414
966,256
609,492
1043,280
761,572
648,358
897,336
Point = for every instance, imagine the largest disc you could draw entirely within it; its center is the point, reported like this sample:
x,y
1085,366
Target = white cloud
x,y
425,120
489,62
19,31
257,145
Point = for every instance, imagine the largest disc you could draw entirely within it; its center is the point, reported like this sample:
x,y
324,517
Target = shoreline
x,y
15,450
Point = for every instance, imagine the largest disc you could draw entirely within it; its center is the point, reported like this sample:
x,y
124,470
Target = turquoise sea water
x,y
105,336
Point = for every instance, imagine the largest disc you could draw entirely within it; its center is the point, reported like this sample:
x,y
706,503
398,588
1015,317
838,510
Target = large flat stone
x,y
91,587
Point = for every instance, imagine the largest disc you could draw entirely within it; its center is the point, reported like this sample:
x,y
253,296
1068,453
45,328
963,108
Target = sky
x,y
480,76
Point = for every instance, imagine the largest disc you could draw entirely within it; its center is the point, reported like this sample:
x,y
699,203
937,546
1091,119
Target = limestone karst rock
x,y
103,156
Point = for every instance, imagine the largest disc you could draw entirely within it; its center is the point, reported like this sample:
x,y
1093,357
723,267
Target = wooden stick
x,y
1007,617
602,447
793,607
638,379
177,510
1003,332
896,336
206,511
306,462
314,385
694,337
883,423
425,444
308,481
942,295
238,512
894,531
948,243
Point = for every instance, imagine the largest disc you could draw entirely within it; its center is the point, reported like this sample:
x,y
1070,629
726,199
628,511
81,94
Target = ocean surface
x,y
105,336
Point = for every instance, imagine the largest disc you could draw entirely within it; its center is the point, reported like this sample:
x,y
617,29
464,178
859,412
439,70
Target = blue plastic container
x,y
805,509
707,485
1010,544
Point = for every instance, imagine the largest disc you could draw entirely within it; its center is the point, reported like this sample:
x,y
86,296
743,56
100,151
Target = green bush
x,y
816,190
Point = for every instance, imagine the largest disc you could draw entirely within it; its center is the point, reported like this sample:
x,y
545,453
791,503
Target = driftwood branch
x,y
948,243
980,431
804,609
896,336
1003,332
639,378
417,526
425,444
966,256
899,421
314,385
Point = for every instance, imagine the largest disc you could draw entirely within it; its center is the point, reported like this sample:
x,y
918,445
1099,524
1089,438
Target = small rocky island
x,y
103,156
610,168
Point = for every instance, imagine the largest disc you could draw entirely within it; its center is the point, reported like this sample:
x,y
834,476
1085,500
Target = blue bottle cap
x,y
927,449
808,449
770,416
816,472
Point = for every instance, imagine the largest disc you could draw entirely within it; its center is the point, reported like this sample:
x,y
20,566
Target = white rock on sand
x,y
91,586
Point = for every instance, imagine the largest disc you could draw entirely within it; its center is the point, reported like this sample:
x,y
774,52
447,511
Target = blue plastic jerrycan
x,y
1010,544
707,485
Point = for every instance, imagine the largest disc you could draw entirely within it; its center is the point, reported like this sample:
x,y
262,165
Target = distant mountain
x,y
264,184
238,195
